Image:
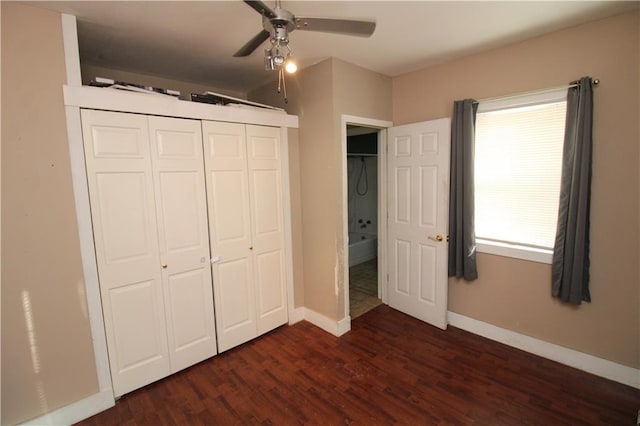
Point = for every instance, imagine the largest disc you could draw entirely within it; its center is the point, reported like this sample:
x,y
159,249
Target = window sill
x,y
515,251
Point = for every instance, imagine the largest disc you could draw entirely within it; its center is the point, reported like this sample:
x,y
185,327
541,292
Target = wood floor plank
x,y
389,369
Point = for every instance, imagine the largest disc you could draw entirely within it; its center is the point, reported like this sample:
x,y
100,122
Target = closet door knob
x,y
164,266
250,247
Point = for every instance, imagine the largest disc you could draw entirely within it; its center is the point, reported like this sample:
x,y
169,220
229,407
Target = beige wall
x,y
47,352
515,294
306,94
362,93
320,95
312,102
296,217
90,72
638,192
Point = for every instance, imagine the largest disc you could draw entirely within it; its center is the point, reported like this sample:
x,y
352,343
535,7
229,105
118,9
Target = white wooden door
x,y
244,184
418,192
225,152
265,190
125,230
183,232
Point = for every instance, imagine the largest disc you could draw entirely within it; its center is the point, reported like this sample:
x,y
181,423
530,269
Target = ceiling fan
x,y
278,23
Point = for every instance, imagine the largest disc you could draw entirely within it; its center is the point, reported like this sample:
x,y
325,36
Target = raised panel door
x,y
183,233
418,170
265,189
125,232
225,154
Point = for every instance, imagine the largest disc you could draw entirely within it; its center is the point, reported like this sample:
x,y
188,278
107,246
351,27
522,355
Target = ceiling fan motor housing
x,y
281,24
277,23
280,36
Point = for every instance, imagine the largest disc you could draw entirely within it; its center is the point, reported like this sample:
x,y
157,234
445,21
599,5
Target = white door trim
x,y
83,211
87,247
381,125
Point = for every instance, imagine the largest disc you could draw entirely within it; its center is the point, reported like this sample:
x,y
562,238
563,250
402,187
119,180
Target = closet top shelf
x,y
143,103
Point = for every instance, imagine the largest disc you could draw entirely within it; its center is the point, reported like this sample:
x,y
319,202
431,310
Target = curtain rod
x,y
535,92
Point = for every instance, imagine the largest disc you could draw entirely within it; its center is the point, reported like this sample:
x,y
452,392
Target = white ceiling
x,y
195,40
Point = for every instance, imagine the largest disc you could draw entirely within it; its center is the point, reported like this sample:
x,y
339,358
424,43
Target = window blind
x,y
518,158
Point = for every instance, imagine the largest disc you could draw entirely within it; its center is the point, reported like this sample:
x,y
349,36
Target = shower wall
x,y
363,194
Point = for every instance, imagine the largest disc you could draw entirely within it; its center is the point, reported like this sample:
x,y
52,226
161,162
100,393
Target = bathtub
x,y
362,247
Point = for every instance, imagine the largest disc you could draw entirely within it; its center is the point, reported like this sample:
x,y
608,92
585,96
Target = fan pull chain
x,y
279,80
282,84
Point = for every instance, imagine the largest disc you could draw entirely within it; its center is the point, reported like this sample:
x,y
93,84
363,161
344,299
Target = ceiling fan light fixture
x,y
279,60
291,67
277,23
268,60
277,56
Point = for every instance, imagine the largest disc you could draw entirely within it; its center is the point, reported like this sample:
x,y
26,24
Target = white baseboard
x,y
337,328
344,325
585,362
296,315
77,411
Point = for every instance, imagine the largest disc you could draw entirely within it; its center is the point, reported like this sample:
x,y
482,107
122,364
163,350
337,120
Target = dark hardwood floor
x,y
389,369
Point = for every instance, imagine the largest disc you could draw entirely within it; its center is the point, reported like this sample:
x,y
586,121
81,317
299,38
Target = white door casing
x,y
418,193
181,206
381,126
122,202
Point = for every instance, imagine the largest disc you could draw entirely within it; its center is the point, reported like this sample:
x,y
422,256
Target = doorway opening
x,y
362,207
379,128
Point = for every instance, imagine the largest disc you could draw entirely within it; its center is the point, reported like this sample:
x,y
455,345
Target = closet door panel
x,y
264,168
270,298
230,232
190,312
139,346
178,169
236,320
265,191
123,212
181,204
122,203
230,209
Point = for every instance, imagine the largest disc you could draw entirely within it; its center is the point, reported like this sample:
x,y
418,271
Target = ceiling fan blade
x,y
252,44
261,8
356,27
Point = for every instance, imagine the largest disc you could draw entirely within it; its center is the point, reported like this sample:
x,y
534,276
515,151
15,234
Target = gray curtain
x,y
570,267
462,240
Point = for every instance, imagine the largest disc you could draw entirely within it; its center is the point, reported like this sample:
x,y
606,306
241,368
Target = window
x,y
518,161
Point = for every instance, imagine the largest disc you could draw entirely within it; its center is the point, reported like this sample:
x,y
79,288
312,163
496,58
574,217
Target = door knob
x,y
164,266
438,238
250,247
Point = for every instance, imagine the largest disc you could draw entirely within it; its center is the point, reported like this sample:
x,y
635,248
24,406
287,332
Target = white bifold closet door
x,y
243,175
183,231
148,206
